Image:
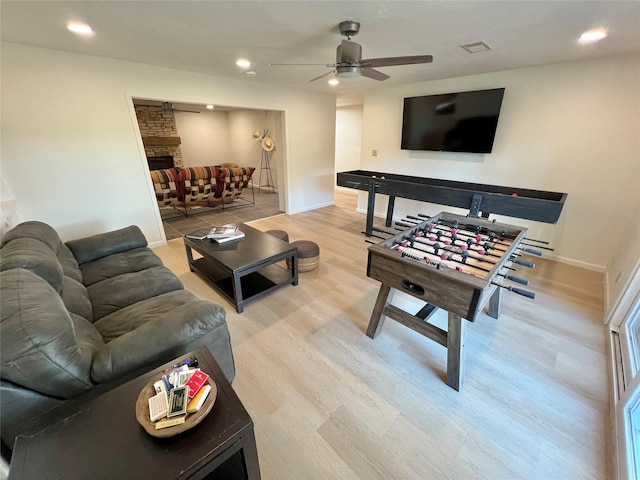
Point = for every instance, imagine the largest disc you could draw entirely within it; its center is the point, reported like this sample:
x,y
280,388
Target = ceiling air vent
x,y
476,47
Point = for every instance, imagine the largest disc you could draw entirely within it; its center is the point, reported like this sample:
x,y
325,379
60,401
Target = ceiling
x,y
208,36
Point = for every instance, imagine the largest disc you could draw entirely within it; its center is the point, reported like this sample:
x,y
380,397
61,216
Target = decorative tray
x,y
192,419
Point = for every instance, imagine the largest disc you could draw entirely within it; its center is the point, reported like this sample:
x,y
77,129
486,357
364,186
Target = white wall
x,y
204,137
248,151
348,137
570,127
71,150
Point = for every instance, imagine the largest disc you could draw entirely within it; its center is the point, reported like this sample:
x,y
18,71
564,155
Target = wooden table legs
x,y
452,339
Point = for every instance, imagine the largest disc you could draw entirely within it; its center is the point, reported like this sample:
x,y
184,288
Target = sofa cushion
x,y
165,184
232,181
36,230
117,264
76,298
35,256
121,291
199,184
69,263
100,245
40,348
129,318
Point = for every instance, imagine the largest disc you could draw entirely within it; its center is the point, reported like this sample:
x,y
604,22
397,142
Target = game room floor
x,y
176,224
330,402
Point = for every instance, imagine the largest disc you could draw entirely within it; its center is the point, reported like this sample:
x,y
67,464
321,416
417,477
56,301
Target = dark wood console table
x,y
480,199
103,440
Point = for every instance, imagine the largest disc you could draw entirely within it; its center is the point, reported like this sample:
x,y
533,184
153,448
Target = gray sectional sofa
x,y
84,316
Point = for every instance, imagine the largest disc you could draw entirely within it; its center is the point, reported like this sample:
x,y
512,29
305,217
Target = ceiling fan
x,y
349,62
168,107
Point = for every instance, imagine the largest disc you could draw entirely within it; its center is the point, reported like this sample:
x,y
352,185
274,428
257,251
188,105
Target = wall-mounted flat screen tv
x,y
452,122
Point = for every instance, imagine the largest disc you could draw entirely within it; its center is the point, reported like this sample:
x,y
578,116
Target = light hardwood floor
x,y
328,402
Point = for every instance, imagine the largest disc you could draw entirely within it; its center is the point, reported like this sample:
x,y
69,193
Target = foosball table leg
x,y
377,318
455,351
494,308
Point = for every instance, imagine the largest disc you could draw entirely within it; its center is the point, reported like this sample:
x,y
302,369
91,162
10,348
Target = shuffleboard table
x,y
480,199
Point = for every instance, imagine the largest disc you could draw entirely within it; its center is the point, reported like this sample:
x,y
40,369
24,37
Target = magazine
x,y
222,232
199,234
239,234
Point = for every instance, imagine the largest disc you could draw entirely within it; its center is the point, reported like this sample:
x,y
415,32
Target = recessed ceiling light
x,y
243,63
333,82
80,28
592,36
250,73
210,107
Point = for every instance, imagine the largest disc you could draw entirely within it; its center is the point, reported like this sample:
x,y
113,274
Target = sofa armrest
x,y
101,245
158,341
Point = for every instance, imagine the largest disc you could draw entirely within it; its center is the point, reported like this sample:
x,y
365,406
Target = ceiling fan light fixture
x,y
210,107
333,82
348,71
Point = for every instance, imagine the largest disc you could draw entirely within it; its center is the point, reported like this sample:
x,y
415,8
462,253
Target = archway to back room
x,y
182,135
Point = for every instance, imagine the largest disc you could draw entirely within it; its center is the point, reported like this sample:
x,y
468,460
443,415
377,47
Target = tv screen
x,y
452,122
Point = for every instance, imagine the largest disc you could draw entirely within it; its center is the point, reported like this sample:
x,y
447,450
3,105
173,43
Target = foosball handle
x,y
524,293
532,251
523,263
521,281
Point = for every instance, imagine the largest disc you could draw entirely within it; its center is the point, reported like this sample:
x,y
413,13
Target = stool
x,y
281,234
308,255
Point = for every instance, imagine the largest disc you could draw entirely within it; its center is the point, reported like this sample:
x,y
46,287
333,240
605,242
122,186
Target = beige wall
x,y
84,173
348,137
204,137
570,127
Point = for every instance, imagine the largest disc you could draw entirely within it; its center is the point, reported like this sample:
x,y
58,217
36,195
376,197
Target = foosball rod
x,y
491,244
519,291
437,262
448,258
446,248
525,238
452,239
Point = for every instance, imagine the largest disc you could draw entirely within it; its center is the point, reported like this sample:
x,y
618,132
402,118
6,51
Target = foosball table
x,y
452,262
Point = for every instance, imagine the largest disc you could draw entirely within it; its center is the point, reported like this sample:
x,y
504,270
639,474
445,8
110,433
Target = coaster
x,y
191,419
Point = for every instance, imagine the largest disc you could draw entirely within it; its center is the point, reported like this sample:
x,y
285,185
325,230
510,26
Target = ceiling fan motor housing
x,y
355,54
349,28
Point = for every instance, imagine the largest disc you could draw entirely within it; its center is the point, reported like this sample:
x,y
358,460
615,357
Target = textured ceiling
x,y
208,36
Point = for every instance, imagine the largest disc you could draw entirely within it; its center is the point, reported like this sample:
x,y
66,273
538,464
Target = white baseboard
x,y
312,207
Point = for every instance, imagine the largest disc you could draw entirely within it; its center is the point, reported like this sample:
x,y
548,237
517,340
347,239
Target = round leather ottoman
x,y
281,234
308,255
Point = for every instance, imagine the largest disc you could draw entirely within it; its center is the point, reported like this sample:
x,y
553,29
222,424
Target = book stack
x,y
225,233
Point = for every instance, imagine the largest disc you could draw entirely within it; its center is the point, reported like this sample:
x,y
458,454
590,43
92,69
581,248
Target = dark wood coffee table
x,y
103,440
244,270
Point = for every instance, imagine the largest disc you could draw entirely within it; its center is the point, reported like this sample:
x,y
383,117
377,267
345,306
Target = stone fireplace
x,y
159,135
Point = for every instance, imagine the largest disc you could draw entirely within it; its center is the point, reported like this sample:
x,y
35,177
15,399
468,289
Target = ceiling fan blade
x,y
323,75
374,74
348,52
394,61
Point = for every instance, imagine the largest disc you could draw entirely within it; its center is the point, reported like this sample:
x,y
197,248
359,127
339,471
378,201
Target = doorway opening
x,y
225,163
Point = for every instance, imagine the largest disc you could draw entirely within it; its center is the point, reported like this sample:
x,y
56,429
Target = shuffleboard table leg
x,y
377,318
390,206
495,304
371,206
455,351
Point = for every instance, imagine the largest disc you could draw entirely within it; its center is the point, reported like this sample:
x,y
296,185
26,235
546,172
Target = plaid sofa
x,y
196,185
166,183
